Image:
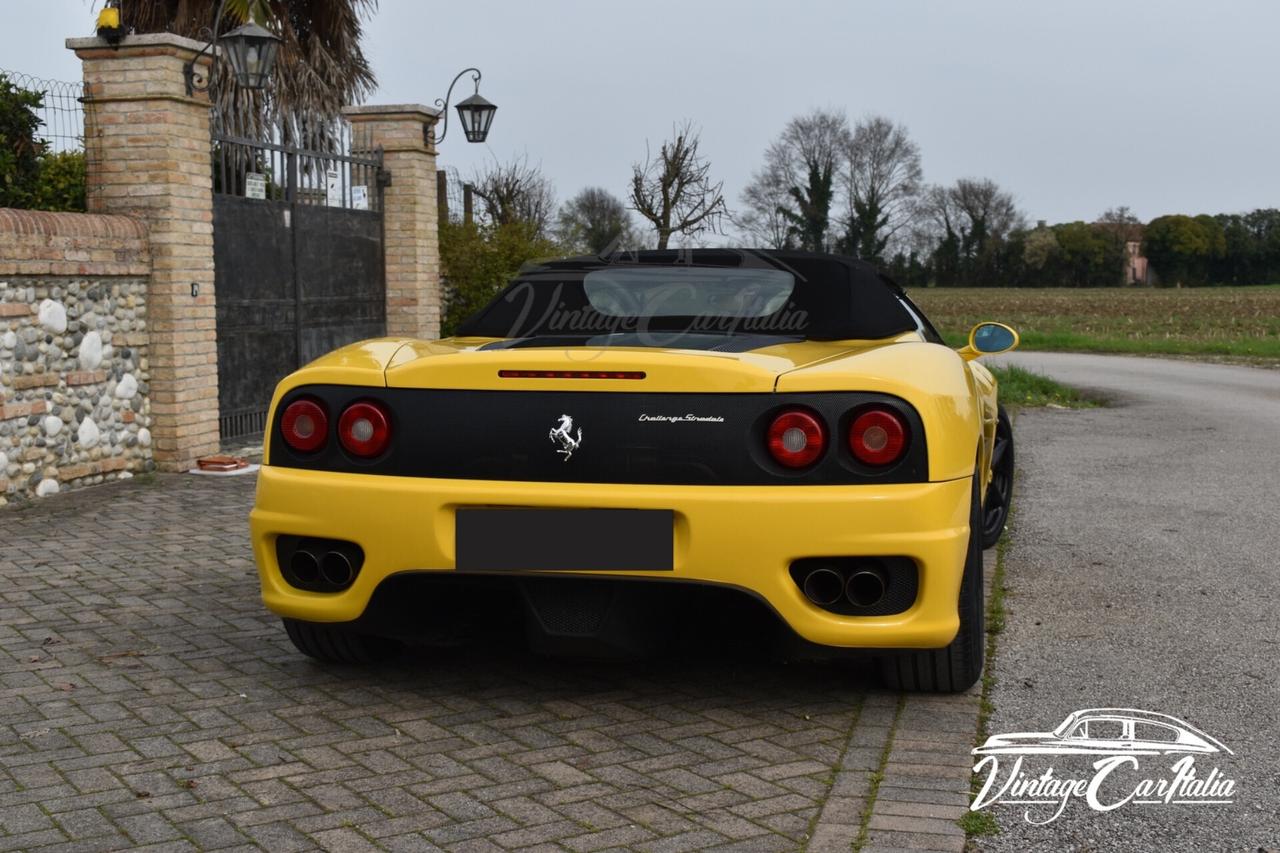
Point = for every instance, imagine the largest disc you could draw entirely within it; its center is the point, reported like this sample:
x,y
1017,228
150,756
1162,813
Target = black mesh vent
x,y
571,608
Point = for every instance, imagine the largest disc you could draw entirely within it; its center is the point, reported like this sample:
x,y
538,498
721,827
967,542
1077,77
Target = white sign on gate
x,y
255,185
359,197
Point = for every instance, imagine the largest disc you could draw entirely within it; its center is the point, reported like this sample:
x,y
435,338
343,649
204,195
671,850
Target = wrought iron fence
x,y
61,110
343,170
61,132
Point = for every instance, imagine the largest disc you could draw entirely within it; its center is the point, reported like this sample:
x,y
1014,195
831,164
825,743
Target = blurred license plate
x,y
496,539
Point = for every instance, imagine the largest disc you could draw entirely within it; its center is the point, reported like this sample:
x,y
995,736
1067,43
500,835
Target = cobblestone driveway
x,y
146,697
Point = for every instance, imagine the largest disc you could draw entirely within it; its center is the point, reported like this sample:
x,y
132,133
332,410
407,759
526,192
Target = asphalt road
x,y
1142,573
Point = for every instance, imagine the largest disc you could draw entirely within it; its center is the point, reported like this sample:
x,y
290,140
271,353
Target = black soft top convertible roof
x,y
838,298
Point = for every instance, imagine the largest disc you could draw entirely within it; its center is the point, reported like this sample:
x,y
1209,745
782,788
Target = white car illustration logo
x,y
1108,731
563,435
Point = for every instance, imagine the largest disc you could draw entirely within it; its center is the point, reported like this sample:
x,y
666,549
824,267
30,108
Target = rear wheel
x,y
995,509
338,644
956,667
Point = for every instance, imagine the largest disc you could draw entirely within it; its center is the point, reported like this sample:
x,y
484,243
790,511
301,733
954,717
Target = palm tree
x,y
320,67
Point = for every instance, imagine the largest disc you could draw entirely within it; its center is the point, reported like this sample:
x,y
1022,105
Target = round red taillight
x,y
365,429
878,437
305,425
796,439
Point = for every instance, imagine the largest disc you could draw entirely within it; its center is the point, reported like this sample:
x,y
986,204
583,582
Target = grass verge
x,y
1062,341
1021,387
979,823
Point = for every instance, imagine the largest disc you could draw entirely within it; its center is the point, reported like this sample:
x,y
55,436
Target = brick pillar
x,y
149,149
412,243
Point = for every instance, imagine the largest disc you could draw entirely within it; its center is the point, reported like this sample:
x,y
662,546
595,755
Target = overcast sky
x,y
1166,106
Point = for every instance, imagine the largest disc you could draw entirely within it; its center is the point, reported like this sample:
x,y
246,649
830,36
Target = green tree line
x,y
1181,250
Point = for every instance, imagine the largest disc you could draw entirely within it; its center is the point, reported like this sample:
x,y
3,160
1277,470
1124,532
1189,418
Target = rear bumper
x,y
739,536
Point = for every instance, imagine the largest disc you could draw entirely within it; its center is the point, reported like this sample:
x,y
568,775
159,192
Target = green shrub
x,y
61,185
20,150
478,260
32,176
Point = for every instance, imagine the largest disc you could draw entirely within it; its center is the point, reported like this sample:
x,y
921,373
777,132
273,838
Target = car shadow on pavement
x,y
732,678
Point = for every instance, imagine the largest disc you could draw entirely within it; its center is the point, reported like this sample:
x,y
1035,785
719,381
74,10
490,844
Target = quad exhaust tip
x,y
823,586
305,566
865,587
319,565
846,583
336,568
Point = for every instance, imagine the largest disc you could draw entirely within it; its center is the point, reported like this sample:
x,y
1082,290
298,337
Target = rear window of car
x,y
688,292
1155,732
728,292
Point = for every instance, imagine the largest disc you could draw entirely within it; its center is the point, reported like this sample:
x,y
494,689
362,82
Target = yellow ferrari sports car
x,y
618,451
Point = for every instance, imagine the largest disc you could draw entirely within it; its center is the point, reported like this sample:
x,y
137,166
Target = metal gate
x,y
298,259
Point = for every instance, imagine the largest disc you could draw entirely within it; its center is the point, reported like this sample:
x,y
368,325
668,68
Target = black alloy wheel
x,y
995,509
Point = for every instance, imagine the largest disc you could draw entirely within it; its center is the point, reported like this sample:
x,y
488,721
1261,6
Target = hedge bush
x,y
32,176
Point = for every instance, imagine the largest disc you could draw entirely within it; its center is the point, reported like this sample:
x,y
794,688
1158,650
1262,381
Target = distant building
x,y
1136,270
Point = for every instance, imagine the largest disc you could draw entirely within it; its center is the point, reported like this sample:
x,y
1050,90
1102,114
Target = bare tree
x,y
674,190
989,212
881,183
965,220
762,219
1121,224
516,192
936,211
596,221
805,160
939,222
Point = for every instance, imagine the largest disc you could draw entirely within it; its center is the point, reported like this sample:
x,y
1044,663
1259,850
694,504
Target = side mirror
x,y
989,339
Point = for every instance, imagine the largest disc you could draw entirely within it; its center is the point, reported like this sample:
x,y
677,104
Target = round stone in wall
x,y
53,317
52,425
88,434
46,487
4,462
127,387
91,351
144,437
8,340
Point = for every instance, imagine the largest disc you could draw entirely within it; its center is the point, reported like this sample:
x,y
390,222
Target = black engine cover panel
x,y
625,437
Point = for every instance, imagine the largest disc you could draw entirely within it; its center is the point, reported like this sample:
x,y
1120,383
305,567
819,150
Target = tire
x,y
995,509
956,667
338,644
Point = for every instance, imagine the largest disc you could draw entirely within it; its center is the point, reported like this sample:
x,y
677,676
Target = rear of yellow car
x,y
589,487
616,451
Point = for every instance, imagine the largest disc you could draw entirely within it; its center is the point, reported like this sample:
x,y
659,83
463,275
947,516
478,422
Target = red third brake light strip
x,y
571,374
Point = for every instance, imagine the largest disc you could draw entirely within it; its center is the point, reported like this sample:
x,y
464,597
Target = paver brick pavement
x,y
147,698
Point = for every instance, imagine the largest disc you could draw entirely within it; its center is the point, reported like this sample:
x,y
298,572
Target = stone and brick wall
x,y
154,147
108,331
74,361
